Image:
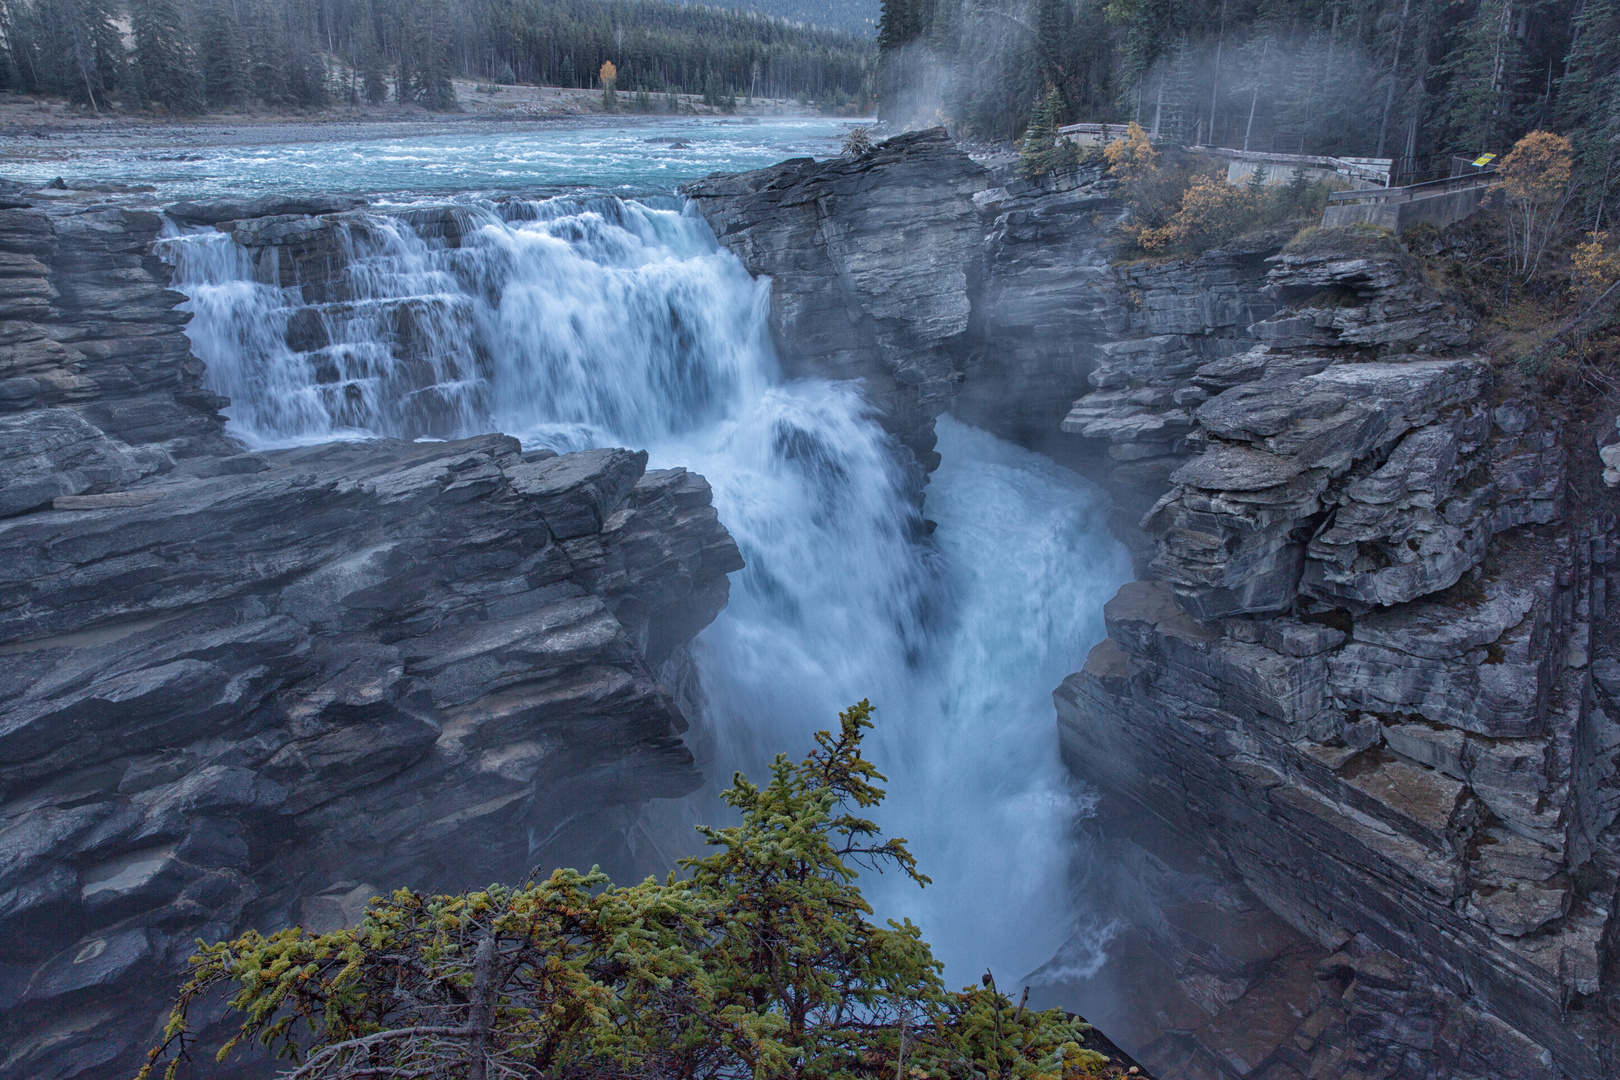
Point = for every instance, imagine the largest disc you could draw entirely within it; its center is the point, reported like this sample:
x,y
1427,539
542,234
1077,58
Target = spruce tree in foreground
x,y
760,963
435,63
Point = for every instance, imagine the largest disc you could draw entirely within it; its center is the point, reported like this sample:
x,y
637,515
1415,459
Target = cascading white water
x,y
573,323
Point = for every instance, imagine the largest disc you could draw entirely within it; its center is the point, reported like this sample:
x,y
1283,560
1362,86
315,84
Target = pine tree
x,y
566,77
267,53
224,56
759,960
1588,105
307,75
10,78
1297,192
69,48
405,71
100,49
373,73
431,86
1036,157
166,70
1483,55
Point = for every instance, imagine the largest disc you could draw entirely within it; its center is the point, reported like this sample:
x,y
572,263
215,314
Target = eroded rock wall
x,y
1370,671
254,689
1352,726
873,263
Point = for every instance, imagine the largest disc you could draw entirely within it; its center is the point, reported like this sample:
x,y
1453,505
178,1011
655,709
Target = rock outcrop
x,y
1353,728
872,261
255,689
1369,674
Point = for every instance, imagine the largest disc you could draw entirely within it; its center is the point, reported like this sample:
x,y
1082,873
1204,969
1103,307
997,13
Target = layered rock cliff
x,y
253,689
1367,671
871,261
1352,727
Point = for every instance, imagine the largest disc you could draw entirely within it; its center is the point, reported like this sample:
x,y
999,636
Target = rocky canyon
x,y
1351,725
1357,780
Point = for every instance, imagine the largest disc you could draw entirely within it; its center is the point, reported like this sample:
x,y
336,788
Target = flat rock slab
x,y
107,501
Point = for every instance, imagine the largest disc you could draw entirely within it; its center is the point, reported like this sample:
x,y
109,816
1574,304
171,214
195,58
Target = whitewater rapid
x,y
577,322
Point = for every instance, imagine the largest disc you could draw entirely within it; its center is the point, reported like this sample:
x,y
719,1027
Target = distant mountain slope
x,y
856,16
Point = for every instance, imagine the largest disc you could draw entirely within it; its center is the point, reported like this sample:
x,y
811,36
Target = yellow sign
x,y
1483,159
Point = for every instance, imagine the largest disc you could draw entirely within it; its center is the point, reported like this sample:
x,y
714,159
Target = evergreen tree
x,y
1483,55
431,86
373,73
307,76
10,78
1296,193
223,54
1041,151
759,961
67,48
279,52
1588,106
267,53
405,70
166,70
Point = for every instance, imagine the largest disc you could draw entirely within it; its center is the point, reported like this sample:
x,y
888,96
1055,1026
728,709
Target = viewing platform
x,y
1439,202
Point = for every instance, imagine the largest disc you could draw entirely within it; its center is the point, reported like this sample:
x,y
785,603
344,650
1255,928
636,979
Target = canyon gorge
x,y
1333,794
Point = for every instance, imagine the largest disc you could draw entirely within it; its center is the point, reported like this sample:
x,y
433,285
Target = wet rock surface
x,y
254,689
872,261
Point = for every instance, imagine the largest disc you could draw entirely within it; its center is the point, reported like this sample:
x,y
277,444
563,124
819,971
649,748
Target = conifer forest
x,y
1415,80
189,56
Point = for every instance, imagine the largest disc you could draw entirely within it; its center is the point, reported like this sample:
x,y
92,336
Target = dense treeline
x,y
187,55
856,16
1414,80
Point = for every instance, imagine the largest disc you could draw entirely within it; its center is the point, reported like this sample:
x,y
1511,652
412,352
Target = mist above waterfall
x,y
580,322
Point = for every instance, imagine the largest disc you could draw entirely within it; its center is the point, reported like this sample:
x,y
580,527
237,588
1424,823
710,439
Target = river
x,y
587,306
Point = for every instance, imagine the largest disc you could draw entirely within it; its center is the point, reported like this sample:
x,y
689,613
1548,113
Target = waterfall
x,y
580,322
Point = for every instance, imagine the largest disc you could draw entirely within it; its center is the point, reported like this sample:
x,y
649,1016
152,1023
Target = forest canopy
x,y
185,56
1414,80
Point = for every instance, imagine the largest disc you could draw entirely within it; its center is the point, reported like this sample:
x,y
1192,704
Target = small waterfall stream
x,y
578,322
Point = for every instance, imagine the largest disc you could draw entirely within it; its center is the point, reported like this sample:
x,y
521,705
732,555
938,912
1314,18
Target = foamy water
x,y
593,321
